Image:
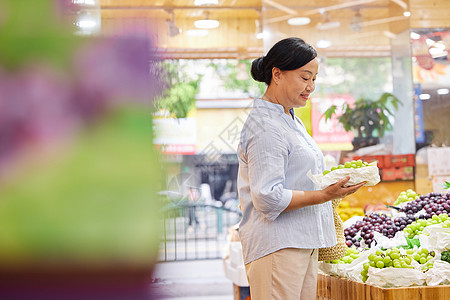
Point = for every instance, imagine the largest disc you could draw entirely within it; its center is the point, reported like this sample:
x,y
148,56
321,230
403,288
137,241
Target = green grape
x,y
351,254
406,196
380,264
395,255
366,266
377,259
354,164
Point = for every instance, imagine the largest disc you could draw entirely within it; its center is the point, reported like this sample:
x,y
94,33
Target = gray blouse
x,y
275,153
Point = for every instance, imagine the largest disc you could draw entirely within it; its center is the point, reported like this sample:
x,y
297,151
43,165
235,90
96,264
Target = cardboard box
x,y
401,160
401,173
438,161
438,184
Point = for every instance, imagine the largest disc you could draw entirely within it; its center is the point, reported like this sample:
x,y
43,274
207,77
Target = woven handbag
x,y
340,249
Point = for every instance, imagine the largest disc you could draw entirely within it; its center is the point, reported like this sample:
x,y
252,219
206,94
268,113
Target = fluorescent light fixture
x,y
299,21
206,24
424,96
197,32
414,36
206,2
323,44
328,25
86,24
442,91
407,14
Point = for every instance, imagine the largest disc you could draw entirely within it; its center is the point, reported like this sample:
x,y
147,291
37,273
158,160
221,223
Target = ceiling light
x,y
442,91
206,24
206,2
407,14
173,29
328,25
323,44
355,25
414,36
197,32
299,21
424,96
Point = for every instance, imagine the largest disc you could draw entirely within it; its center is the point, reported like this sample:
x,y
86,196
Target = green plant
x,y
228,73
366,115
179,96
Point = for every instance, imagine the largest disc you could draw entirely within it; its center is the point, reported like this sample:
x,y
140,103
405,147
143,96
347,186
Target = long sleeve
x,y
267,155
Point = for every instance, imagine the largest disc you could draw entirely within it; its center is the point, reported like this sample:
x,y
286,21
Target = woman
x,y
285,219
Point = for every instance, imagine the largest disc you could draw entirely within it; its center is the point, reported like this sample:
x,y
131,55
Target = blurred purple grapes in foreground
x,y
79,216
40,103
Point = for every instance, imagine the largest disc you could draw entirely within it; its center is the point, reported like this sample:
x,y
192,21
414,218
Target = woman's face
x,y
295,86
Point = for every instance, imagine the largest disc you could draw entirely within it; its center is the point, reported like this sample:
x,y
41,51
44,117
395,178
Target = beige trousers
x,y
288,274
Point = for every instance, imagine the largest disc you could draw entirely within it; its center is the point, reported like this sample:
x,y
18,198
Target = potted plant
x,y
369,118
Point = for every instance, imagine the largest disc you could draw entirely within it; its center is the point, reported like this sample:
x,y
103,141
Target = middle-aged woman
x,y
285,219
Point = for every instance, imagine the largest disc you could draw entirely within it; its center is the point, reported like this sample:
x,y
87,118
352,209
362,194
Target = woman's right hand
x,y
339,190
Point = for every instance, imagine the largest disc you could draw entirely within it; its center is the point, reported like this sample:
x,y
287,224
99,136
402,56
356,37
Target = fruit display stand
x,y
336,288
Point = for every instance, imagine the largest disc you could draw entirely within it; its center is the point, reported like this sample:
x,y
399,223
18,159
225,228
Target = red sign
x,y
330,131
177,149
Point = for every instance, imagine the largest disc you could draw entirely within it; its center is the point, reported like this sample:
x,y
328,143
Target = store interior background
x,y
384,39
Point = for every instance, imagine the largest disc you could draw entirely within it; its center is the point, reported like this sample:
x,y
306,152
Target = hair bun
x,y
257,70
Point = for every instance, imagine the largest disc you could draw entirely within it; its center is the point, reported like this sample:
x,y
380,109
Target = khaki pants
x,y
288,274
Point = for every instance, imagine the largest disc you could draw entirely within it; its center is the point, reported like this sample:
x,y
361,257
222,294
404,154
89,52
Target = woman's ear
x,y
276,74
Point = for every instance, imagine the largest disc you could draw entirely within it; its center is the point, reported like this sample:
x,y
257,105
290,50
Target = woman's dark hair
x,y
288,54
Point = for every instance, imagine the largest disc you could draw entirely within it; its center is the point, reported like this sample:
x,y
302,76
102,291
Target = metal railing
x,y
196,231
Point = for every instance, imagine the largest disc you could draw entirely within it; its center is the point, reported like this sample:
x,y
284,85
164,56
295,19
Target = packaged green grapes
x,y
358,171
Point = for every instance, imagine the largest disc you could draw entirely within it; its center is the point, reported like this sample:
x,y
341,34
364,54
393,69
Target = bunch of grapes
x,y
351,254
445,256
375,222
432,203
417,226
354,164
405,196
393,258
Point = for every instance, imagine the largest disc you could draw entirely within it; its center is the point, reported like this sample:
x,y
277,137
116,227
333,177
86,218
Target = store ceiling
x,y
241,20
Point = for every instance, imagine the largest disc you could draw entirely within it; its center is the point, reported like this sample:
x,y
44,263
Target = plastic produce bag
x,y
438,238
395,277
369,174
386,243
353,271
439,274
